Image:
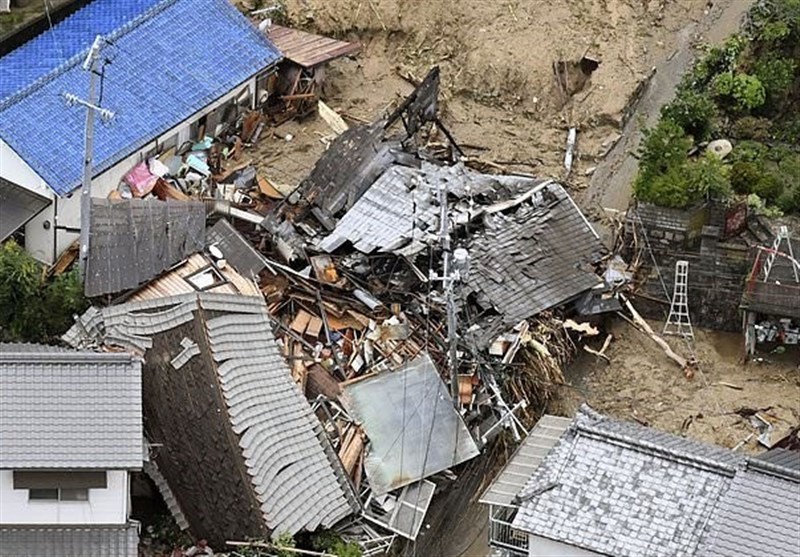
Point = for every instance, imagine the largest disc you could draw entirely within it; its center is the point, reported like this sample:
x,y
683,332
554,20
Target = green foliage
x,y
769,187
663,147
745,91
744,175
775,21
685,183
752,127
33,309
694,112
776,75
285,539
749,151
330,542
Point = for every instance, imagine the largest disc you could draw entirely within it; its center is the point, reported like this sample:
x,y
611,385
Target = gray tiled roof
x,y
236,249
151,469
781,457
70,410
70,541
524,462
134,240
625,490
759,516
536,258
400,211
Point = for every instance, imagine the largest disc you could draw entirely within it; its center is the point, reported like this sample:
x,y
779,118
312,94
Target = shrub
x,y
694,112
33,309
744,175
749,151
769,187
789,200
708,175
663,147
776,75
752,127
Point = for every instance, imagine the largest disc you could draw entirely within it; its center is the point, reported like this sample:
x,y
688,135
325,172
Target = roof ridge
x,y
68,356
80,56
755,464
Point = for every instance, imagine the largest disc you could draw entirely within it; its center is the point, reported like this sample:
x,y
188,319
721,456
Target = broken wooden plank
x,y
300,322
332,118
314,326
643,326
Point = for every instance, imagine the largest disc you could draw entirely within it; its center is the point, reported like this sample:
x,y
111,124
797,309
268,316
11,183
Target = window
x,y
61,494
59,486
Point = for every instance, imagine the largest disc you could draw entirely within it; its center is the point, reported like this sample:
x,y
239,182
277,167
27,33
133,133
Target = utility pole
x,y
90,65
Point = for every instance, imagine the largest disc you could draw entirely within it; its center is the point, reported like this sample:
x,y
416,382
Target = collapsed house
x,y
597,486
156,108
230,431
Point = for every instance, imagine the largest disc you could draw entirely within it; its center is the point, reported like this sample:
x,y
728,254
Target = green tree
x,y
694,112
33,308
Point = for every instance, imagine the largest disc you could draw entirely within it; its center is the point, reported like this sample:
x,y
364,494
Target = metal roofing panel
x,y
307,49
70,541
420,434
70,410
523,463
759,515
132,241
170,60
627,495
17,206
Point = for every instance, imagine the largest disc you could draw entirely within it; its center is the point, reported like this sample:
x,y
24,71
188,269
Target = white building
x,y
171,70
70,435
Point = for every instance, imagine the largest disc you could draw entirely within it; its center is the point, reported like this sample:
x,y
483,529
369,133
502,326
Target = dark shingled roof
x,y
236,249
134,240
780,295
536,258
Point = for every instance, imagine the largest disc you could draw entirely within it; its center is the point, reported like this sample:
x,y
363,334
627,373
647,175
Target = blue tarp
x,y
167,62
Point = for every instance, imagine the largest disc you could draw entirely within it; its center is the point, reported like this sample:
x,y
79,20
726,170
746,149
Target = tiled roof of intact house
x,y
168,62
538,257
626,491
70,410
70,541
759,515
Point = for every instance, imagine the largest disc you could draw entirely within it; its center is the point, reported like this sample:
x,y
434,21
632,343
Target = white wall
x,y
46,244
105,506
543,547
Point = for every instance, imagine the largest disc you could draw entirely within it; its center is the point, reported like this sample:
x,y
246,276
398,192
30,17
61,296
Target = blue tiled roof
x,y
168,63
38,57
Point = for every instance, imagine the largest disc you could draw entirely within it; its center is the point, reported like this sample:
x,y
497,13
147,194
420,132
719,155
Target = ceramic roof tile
x,y
70,541
70,410
169,61
625,491
759,515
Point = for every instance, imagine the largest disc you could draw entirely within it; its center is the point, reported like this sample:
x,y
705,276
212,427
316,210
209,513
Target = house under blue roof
x,y
169,59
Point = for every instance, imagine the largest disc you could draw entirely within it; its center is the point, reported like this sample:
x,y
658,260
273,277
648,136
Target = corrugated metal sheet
x,y
17,207
70,541
307,49
132,241
524,462
70,410
414,431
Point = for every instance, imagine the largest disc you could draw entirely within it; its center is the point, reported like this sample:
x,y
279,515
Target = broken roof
x,y
170,59
538,257
307,49
70,540
224,344
420,435
70,410
134,240
622,489
400,211
759,515
780,294
236,249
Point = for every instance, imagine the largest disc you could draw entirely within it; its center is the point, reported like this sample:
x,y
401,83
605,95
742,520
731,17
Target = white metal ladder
x,y
678,322
783,234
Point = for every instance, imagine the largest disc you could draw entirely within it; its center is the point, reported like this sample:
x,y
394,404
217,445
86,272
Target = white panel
x,y
105,506
542,547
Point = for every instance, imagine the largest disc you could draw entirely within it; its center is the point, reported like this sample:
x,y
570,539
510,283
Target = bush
x,y
776,75
694,112
751,127
706,176
663,147
769,187
744,176
749,151
33,309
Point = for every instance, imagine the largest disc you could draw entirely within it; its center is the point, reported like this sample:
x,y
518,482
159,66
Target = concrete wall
x,y
105,506
55,228
543,547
